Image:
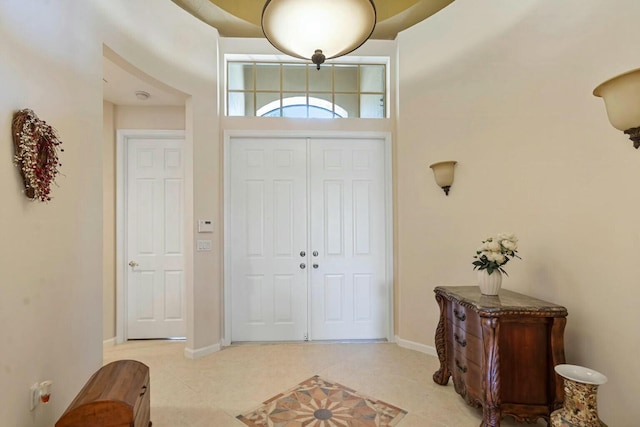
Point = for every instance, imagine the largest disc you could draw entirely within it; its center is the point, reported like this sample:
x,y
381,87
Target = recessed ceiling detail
x,y
233,18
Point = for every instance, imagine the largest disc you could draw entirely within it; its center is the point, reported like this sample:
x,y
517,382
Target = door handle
x,y
315,253
303,265
133,264
303,254
315,265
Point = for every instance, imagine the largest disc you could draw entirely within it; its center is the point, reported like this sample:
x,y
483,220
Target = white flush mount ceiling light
x,y
142,95
318,29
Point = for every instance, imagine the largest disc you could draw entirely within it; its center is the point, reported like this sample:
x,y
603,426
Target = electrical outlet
x,y
34,396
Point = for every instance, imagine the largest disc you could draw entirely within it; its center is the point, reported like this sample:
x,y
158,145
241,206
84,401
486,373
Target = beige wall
x,y
171,46
109,221
374,50
51,253
210,315
506,91
153,117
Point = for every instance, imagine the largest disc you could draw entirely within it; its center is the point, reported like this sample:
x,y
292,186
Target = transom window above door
x,y
280,89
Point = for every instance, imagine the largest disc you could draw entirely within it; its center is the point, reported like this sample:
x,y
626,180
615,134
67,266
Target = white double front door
x,y
308,245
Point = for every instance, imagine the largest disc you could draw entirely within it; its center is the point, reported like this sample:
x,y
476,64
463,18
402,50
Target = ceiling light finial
x,y
318,58
329,28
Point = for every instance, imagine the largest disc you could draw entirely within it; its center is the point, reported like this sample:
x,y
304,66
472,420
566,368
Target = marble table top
x,y
506,302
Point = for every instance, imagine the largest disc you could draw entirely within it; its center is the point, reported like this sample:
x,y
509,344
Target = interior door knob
x,y
315,266
303,254
303,265
133,264
315,253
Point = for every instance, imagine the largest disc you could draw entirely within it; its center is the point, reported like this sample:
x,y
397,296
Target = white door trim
x,y
388,167
122,140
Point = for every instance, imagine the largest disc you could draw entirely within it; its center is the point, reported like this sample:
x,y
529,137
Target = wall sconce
x,y
621,97
443,173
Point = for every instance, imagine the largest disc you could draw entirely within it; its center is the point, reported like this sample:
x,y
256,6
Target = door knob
x,y
303,265
133,264
315,265
303,253
315,253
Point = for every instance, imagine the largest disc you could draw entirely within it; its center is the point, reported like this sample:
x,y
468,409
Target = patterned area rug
x,y
319,403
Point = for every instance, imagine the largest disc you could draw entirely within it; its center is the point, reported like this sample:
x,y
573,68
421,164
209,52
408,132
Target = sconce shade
x,y
443,173
299,28
621,97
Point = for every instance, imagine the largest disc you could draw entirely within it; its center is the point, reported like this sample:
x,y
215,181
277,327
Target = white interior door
x,y
155,292
268,233
349,293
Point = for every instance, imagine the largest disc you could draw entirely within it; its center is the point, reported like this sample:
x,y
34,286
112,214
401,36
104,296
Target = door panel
x,y
155,239
347,222
268,232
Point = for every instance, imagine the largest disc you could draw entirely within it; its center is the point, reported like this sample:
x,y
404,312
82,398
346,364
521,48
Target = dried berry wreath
x,y
36,145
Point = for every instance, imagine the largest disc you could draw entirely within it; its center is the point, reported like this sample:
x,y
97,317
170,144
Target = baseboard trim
x,y
201,352
422,348
109,343
190,353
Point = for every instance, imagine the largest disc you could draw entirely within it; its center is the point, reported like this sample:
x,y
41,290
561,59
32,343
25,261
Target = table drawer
x,y
465,344
464,318
468,373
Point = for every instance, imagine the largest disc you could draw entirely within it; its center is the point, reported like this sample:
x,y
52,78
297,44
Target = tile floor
x,y
320,403
213,390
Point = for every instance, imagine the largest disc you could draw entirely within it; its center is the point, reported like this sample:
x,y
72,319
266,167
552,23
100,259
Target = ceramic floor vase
x,y
489,284
580,408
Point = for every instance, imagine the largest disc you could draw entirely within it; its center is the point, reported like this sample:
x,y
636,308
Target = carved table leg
x,y
441,376
557,356
491,372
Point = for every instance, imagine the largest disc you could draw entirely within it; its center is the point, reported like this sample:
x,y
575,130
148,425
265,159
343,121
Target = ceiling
x,y
241,18
121,81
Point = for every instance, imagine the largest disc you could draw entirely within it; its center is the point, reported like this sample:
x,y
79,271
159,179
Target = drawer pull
x,y
463,369
462,342
461,317
144,390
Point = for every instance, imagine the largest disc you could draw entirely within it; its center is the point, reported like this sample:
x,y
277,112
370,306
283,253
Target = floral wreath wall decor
x,y
36,144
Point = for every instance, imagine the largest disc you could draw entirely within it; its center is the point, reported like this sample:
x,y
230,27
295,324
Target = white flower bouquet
x,y
495,252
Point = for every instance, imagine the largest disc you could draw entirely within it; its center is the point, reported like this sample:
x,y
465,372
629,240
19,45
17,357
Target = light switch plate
x,y
203,245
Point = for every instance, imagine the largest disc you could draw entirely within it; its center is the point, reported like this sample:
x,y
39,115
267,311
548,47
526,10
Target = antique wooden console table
x,y
501,351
